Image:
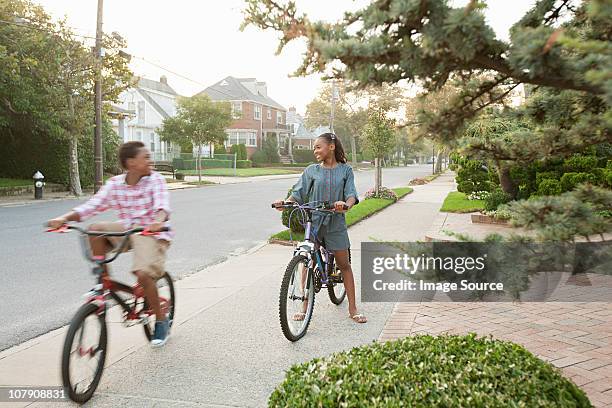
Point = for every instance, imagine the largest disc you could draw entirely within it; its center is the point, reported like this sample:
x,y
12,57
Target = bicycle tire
x,y
282,312
77,321
149,328
330,289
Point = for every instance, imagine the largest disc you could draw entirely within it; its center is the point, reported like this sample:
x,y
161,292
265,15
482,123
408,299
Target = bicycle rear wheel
x,y
167,299
297,297
84,353
335,288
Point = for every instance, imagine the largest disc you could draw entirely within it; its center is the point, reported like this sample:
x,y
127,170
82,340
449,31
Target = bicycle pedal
x,y
130,323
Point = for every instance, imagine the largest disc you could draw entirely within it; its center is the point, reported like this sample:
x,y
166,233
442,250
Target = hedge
x,y
181,164
570,180
428,371
243,164
240,150
549,187
303,156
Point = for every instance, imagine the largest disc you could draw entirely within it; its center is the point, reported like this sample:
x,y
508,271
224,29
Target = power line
x,y
33,27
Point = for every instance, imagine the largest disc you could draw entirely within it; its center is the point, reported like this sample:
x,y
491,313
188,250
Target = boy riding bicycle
x,y
140,196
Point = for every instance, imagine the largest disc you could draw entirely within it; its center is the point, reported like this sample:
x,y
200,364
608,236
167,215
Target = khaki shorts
x,y
149,252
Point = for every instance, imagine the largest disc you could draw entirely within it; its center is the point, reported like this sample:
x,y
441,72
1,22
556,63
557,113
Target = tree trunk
x,y
73,155
505,180
439,161
376,182
198,164
354,151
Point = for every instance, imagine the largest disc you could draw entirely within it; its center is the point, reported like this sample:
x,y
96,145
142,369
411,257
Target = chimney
x,y
163,79
262,88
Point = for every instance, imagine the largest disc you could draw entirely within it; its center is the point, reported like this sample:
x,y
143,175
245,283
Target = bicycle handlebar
x,y
119,249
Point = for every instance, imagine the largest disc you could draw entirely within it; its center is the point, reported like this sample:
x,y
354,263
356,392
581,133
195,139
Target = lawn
x,y
203,182
259,171
7,182
361,211
457,202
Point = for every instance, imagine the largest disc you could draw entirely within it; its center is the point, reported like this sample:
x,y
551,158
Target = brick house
x,y
257,115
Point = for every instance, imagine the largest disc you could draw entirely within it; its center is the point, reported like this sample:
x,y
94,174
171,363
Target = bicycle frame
x,y
107,288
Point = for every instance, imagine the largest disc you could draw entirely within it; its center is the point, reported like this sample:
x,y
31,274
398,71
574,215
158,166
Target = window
x,y
132,106
258,112
138,136
269,114
152,142
248,138
141,113
236,109
279,117
168,147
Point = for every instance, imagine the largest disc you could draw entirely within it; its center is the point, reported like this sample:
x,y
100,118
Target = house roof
x,y
145,83
232,89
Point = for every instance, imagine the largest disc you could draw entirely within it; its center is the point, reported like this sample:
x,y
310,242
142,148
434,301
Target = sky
x,y
200,40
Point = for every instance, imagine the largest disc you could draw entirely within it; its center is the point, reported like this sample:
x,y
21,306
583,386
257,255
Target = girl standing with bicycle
x,y
332,181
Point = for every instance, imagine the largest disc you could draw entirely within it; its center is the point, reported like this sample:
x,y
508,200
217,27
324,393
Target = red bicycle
x,y
84,351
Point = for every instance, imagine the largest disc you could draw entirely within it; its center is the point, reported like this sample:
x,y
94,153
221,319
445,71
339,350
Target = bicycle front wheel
x,y
297,297
84,353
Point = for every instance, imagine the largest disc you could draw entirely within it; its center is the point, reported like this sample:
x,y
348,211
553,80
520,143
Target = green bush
x,y
205,163
472,177
466,187
349,157
428,371
609,165
240,151
541,176
224,156
569,181
270,149
220,149
579,164
496,198
243,164
549,187
303,156
607,178
259,157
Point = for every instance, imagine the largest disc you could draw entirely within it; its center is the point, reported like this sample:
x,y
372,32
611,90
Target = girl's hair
x,y
339,151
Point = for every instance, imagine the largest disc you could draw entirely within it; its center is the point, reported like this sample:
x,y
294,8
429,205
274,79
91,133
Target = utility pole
x,y
98,165
333,106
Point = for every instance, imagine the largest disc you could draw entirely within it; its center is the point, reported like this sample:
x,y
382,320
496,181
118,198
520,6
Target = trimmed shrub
x,y
471,177
303,156
466,187
569,181
496,198
205,163
550,175
428,371
220,149
270,149
580,164
240,151
259,157
243,164
383,192
224,156
549,187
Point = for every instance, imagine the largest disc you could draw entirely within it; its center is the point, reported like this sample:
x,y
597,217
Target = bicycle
x,y
311,269
82,347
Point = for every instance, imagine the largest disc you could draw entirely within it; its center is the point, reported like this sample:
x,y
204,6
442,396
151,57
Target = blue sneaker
x,y
162,332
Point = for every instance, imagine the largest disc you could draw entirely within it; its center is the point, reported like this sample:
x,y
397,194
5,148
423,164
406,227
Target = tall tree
x,y
47,79
200,121
379,136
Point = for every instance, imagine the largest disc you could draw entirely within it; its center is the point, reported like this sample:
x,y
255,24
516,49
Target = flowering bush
x,y
478,195
383,192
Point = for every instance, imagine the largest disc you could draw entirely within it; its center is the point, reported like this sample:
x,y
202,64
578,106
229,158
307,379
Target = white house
x,y
141,112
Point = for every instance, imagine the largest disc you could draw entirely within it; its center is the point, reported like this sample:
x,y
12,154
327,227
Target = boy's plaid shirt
x,y
136,205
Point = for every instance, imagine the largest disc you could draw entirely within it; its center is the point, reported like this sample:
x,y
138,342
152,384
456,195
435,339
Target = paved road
x,y
43,275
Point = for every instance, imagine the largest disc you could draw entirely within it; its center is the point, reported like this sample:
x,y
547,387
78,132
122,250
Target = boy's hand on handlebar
x,y
340,206
56,223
